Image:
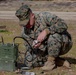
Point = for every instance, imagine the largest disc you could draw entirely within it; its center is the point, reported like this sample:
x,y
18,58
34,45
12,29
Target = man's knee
x,y
54,45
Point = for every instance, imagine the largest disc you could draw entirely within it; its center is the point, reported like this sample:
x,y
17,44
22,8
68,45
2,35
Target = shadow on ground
x,y
71,60
60,61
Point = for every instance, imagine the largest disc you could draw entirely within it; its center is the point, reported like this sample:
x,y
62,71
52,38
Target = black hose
x,y
2,40
27,50
23,39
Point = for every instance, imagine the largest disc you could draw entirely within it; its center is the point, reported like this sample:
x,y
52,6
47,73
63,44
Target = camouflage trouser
x,y
56,45
59,44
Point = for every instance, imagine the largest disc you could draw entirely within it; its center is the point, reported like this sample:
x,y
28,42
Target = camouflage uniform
x,y
58,42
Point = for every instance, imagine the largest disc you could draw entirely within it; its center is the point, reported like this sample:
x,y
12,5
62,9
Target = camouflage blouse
x,y
45,20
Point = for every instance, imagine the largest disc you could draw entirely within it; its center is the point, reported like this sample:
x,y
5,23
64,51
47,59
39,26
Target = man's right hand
x,y
36,44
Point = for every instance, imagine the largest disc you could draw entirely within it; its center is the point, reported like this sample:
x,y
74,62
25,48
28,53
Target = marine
x,y
49,32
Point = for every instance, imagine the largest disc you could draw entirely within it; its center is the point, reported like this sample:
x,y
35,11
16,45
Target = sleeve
x,y
55,24
23,32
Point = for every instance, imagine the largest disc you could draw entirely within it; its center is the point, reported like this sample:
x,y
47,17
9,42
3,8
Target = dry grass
x,y
14,30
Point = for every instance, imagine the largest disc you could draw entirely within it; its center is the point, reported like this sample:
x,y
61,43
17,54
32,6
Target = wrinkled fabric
x,y
57,42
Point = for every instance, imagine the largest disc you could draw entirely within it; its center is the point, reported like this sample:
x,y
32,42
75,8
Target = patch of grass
x,y
15,30
3,31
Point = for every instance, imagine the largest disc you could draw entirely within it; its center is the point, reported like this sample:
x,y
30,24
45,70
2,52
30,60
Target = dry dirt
x,y
7,15
63,15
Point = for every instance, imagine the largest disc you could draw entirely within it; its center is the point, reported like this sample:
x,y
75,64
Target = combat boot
x,y
66,64
49,64
62,62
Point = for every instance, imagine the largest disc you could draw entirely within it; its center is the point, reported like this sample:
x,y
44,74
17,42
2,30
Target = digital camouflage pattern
x,y
58,42
23,14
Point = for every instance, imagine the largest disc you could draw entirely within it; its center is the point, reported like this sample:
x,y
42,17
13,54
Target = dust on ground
x,y
14,29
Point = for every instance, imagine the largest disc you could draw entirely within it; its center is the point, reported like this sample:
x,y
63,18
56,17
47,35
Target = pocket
x,y
67,43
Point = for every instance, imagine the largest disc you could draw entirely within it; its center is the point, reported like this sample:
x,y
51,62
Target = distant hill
x,y
51,5
37,0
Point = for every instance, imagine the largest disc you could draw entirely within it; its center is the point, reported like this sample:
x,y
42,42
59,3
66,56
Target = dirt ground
x,y
14,30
